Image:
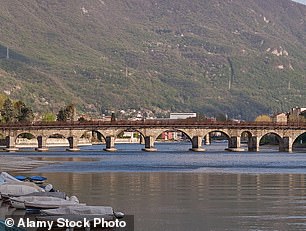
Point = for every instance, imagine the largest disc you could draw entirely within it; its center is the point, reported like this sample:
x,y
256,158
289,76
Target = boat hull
x,y
17,204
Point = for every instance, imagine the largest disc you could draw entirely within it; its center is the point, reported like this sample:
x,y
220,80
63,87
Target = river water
x,y
175,189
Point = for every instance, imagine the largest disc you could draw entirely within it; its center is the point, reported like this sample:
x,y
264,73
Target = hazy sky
x,y
301,1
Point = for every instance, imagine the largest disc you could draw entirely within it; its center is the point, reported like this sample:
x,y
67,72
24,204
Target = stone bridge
x,y
196,131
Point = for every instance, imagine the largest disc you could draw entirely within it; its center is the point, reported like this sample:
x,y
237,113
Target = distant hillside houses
x,y
280,118
297,111
296,114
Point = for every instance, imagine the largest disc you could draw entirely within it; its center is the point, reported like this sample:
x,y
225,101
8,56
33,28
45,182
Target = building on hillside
x,y
297,110
280,118
97,119
296,114
176,116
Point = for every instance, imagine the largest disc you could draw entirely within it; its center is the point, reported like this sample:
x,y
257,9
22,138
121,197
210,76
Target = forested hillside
x,y
236,57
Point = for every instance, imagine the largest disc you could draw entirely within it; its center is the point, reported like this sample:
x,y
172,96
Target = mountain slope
x,y
239,57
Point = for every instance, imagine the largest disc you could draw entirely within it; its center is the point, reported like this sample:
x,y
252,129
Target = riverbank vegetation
x,y
14,111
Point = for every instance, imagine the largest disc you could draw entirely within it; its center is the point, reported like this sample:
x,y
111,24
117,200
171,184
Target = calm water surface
x,y
174,189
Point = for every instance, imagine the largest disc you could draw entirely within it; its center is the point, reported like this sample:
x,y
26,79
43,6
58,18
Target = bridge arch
x,y
57,135
272,138
135,136
57,138
299,141
26,139
272,134
164,134
213,134
246,137
246,133
97,136
120,131
171,134
26,135
89,134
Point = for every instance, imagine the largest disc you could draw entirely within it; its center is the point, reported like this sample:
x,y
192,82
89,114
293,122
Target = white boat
x,y
5,177
62,195
18,202
18,189
41,202
80,212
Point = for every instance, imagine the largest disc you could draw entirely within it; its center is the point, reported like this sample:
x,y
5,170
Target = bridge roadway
x,y
196,131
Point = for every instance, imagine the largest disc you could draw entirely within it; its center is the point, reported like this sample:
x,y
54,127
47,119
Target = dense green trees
x,y
8,113
15,112
67,114
23,113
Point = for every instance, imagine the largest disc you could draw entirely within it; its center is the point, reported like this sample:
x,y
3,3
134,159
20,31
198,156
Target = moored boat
x,y
34,179
21,178
18,189
37,179
41,202
80,213
62,195
19,202
5,177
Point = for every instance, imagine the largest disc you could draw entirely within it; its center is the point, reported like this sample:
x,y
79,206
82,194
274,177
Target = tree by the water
x,y
16,112
67,114
263,118
8,112
23,113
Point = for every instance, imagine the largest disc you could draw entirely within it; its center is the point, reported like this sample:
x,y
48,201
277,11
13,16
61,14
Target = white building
x,y
175,116
280,118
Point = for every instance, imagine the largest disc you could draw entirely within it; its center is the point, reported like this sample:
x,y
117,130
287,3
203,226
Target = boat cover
x,y
45,202
77,213
16,189
21,178
80,210
8,178
49,194
37,178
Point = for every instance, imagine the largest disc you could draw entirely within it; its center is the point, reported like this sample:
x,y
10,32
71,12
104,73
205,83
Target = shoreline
x,y
20,163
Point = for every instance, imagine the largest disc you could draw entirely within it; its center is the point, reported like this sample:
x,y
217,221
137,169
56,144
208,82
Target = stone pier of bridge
x,y
73,144
286,144
234,144
110,144
11,144
42,144
253,144
149,144
197,142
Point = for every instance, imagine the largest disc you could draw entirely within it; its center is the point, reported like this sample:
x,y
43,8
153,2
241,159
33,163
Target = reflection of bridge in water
x,y
196,131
